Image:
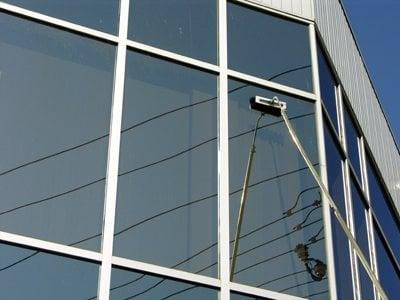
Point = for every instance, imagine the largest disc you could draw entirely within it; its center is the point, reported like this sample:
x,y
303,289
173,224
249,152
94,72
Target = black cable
x,y
282,277
277,238
101,179
316,294
289,71
314,237
168,157
162,280
205,249
209,266
19,261
289,211
300,284
52,155
199,271
138,124
122,131
209,247
273,222
145,291
168,211
179,292
52,197
272,258
300,225
125,173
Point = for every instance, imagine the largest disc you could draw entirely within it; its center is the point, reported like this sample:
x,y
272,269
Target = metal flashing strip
x,y
272,85
173,56
342,222
58,22
49,246
241,288
167,272
260,4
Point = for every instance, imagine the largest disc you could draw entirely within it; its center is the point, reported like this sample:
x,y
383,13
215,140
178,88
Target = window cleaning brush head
x,y
267,106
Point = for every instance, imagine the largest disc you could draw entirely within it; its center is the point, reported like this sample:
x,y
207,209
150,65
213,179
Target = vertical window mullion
x,y
223,154
113,155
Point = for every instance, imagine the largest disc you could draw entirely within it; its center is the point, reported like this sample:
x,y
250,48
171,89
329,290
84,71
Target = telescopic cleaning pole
x,y
264,105
278,108
243,198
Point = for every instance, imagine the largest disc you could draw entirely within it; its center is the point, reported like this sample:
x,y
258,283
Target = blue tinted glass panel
x,y
382,211
31,274
327,86
188,27
360,218
98,14
344,283
135,285
283,205
269,47
352,143
389,275
366,287
56,91
334,166
167,188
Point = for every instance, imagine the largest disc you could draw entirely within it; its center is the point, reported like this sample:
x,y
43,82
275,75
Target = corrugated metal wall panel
x,y
335,31
301,8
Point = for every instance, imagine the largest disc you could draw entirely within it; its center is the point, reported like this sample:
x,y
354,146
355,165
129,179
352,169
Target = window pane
x,y
382,211
344,282
135,285
327,85
360,219
389,276
188,27
55,93
30,274
366,287
279,52
334,167
352,143
98,14
167,190
283,206
239,296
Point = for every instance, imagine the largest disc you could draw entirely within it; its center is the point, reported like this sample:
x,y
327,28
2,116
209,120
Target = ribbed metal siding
x,y
301,8
332,24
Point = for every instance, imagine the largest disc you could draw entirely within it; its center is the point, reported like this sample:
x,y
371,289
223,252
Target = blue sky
x,y
377,29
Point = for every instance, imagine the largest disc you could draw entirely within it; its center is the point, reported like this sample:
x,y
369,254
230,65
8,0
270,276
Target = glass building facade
x,y
126,132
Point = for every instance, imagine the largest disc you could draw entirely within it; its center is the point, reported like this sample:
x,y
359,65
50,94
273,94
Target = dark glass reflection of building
x,y
126,131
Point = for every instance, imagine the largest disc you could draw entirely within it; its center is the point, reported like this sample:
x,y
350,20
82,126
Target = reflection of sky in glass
x,y
352,143
98,14
135,285
45,276
327,85
388,275
269,47
382,211
56,98
187,27
167,191
344,284
334,168
360,218
279,181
